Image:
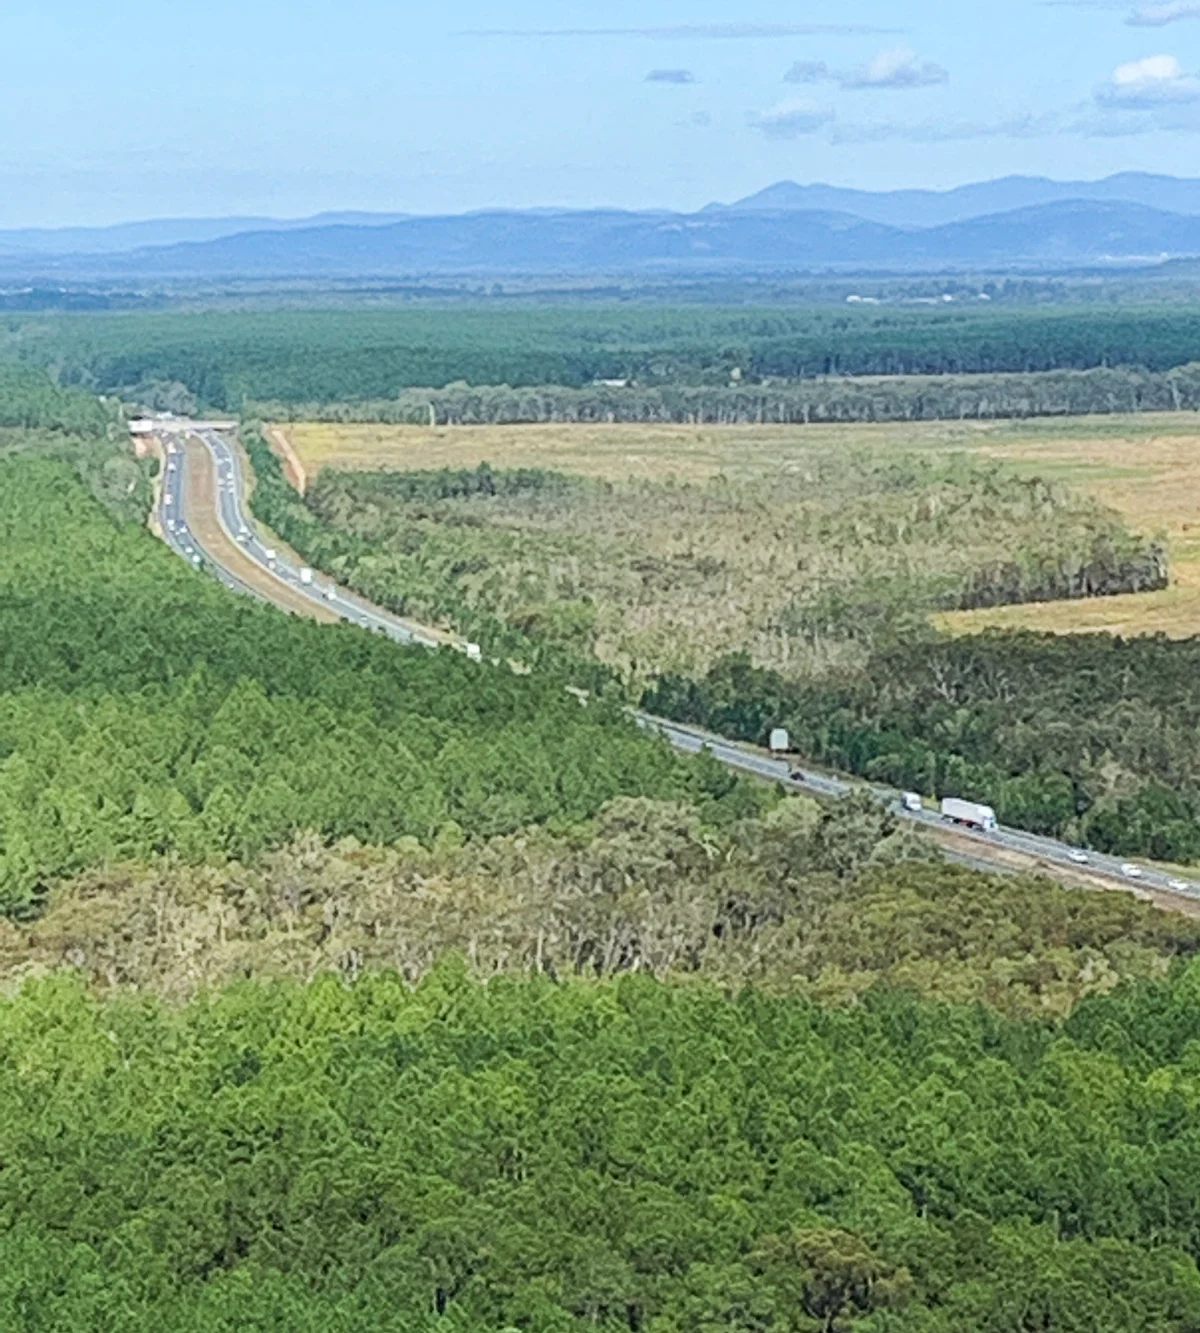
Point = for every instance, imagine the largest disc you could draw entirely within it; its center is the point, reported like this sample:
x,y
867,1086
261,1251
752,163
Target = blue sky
x,y
139,108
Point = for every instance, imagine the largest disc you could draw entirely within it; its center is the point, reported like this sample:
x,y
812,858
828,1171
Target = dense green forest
x,y
628,1156
227,359
39,418
1088,736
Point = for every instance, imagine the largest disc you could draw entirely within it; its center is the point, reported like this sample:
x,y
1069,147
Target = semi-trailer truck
x,y
970,813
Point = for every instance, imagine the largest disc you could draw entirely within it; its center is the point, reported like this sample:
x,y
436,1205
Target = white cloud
x,y
897,67
1155,81
1161,12
791,118
671,76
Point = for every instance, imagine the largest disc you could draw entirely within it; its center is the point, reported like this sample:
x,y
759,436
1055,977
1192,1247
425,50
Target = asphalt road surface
x,y
986,848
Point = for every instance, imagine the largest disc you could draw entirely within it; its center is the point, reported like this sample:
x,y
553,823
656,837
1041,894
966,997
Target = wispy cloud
x,y
1146,14
1158,15
1145,84
671,76
808,71
897,67
791,119
686,31
1028,125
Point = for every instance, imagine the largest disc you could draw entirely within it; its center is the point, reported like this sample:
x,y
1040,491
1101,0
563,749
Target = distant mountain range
x,y
127,236
1019,222
935,208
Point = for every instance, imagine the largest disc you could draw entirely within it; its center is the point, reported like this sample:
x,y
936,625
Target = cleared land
x,y
1145,467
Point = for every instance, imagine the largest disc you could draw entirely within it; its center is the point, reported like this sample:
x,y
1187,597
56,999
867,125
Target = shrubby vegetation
x,y
144,712
825,901
1086,736
625,1156
804,567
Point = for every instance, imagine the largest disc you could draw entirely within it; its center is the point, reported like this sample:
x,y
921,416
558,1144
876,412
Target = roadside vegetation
x,y
806,569
802,599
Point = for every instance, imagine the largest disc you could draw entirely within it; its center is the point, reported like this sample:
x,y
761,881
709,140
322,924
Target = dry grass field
x,y
612,452
1146,467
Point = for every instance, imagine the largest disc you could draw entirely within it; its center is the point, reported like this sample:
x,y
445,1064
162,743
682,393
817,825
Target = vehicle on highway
x,y
912,802
1079,856
269,552
1180,885
969,813
1130,871
779,742
306,576
330,594
244,536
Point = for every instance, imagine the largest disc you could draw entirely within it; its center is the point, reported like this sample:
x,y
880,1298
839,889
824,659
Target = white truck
x,y
306,576
970,813
779,742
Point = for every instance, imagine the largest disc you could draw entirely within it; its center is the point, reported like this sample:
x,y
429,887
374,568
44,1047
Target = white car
x,y
243,536
331,594
912,802
1180,886
1080,858
1130,871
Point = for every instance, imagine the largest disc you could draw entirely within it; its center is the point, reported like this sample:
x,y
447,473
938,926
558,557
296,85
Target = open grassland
x,y
617,452
1145,467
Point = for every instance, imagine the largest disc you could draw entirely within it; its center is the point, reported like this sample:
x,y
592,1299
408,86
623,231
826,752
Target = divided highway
x,y
996,850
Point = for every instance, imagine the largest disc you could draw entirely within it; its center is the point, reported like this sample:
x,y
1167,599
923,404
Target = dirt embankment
x,y
293,466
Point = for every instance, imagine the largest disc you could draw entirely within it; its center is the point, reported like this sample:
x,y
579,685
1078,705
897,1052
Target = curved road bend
x,y
275,578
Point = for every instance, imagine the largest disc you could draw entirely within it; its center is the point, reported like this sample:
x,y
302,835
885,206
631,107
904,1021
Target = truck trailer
x,y
970,813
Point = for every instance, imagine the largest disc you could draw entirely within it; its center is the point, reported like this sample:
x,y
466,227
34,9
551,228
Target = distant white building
x,y
166,423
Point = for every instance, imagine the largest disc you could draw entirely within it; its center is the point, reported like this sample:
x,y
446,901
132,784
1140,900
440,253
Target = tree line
x,y
965,397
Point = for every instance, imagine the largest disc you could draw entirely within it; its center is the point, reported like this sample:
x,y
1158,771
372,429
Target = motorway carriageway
x,y
991,850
